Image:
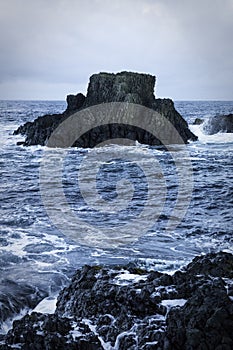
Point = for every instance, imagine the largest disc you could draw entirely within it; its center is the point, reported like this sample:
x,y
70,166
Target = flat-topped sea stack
x,y
127,87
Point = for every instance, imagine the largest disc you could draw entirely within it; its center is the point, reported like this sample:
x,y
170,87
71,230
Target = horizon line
x,y
176,100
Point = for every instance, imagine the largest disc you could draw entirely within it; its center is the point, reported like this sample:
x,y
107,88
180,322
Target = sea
x,y
144,189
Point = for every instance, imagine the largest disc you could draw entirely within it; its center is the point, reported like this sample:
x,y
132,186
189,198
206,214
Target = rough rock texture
x,y
219,123
103,308
38,331
121,87
108,87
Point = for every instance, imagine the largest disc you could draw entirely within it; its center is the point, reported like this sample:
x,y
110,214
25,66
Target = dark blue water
x,y
139,186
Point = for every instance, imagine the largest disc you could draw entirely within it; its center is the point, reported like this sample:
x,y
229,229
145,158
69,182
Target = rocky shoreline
x,y
128,87
128,308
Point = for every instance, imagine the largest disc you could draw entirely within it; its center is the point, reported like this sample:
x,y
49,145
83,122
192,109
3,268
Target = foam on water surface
x,y
47,305
219,138
31,245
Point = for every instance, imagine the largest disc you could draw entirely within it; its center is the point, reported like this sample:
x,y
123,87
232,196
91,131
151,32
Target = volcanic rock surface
x,y
128,308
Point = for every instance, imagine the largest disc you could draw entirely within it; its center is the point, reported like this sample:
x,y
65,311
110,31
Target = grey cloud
x,y
62,43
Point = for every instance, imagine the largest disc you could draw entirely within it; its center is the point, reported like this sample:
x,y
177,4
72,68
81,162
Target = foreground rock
x,y
219,123
128,308
106,87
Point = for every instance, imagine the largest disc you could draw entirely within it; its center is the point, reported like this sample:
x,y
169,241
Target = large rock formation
x,y
106,87
127,308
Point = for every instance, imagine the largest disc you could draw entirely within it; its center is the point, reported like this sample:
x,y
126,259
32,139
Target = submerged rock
x,y
124,307
108,87
219,123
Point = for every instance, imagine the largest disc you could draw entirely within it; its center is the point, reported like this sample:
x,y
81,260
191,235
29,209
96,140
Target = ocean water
x,y
143,190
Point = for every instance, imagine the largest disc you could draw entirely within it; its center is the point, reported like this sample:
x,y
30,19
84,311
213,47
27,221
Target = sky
x,y
50,48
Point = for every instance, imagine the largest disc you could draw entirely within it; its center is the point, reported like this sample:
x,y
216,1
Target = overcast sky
x,y
49,48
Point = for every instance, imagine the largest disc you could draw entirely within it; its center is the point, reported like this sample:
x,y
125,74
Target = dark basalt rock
x,y
38,132
121,87
219,123
205,321
38,331
108,87
74,102
198,121
101,310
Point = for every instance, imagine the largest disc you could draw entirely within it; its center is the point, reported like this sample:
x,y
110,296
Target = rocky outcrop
x,y
74,102
108,87
127,308
219,123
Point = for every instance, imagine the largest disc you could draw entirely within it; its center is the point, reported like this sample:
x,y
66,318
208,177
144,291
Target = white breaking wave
x,y
220,137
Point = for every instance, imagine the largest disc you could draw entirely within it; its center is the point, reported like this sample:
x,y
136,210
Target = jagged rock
x,y
74,102
219,123
40,332
38,132
103,308
215,265
108,87
205,321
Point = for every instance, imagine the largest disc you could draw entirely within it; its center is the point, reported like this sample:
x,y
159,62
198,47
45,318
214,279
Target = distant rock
x,y
103,88
198,121
128,308
219,123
